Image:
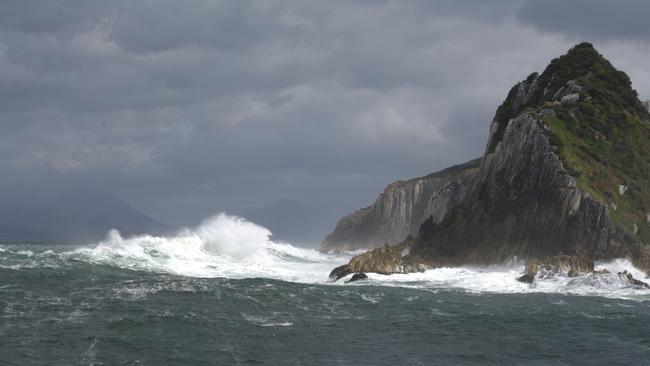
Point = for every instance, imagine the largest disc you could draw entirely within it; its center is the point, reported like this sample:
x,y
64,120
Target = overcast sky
x,y
187,108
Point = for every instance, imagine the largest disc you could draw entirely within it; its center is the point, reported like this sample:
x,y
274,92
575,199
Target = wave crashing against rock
x,y
543,187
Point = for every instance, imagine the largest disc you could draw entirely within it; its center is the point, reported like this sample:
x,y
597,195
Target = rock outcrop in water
x,y
357,277
633,281
571,265
399,211
560,147
387,259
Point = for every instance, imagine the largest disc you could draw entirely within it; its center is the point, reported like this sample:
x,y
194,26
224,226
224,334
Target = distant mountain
x,y
80,215
292,221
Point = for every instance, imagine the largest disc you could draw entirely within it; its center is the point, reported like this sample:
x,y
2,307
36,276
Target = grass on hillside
x,y
603,139
601,159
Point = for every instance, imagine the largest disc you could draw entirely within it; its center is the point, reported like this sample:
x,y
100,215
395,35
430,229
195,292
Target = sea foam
x,y
227,246
222,246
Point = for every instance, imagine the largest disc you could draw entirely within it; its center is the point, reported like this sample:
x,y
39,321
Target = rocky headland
x,y
401,208
564,182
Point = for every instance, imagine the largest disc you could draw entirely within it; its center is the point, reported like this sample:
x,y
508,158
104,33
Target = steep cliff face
x,y
566,172
565,150
399,211
598,127
523,203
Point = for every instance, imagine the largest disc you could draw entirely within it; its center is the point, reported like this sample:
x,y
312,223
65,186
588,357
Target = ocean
x,y
223,293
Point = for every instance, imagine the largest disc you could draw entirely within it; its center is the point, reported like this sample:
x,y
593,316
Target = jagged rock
x,y
628,276
340,272
522,203
641,257
386,259
532,267
357,277
570,98
526,278
529,198
571,265
571,87
518,96
400,210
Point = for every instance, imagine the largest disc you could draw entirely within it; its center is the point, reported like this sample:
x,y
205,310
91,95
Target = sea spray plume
x,y
230,235
221,246
221,234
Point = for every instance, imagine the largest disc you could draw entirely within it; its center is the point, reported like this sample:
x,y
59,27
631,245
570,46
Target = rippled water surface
x,y
125,302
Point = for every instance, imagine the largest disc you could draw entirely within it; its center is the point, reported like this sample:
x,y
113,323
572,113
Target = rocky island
x,y
564,181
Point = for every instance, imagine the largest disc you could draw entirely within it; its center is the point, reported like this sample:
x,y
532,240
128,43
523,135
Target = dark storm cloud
x,y
187,108
590,19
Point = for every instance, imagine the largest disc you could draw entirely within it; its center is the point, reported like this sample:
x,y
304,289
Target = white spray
x,y
222,246
231,247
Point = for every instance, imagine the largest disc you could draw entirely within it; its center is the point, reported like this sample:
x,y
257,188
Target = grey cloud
x,y
53,17
590,19
188,108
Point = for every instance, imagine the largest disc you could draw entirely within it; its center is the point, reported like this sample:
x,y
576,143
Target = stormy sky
x,y
187,108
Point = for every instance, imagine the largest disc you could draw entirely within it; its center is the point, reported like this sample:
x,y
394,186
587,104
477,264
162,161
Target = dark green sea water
x,y
66,310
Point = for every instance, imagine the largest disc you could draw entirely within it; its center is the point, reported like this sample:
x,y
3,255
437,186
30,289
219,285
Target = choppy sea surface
x,y
225,294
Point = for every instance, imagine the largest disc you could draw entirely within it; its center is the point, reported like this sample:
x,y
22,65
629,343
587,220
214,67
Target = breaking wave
x,y
231,247
222,246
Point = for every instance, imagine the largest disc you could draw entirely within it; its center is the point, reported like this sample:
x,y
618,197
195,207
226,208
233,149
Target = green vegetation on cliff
x,y
600,129
579,119
466,168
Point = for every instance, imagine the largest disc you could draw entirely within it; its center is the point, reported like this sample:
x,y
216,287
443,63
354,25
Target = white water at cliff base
x,y
232,247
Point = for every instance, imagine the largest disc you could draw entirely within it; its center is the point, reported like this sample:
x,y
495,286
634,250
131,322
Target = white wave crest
x,y
231,236
222,246
232,247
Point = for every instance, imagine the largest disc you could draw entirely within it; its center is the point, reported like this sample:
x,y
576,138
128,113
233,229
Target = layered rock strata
x,y
401,208
548,185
